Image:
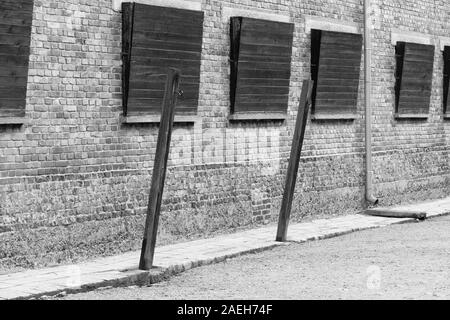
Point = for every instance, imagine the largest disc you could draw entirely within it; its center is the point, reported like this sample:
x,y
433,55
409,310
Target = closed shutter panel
x,y
446,79
15,33
335,69
154,39
261,65
414,78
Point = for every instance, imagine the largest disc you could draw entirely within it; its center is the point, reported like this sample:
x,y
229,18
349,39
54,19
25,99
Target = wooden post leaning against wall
x,y
296,149
159,169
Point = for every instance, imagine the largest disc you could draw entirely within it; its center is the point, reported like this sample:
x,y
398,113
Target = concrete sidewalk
x,y
122,269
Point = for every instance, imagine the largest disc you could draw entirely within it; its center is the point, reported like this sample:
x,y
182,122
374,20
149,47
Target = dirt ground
x,y
408,261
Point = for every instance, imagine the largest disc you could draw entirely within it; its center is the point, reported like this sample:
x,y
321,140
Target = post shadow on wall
x,y
159,168
296,149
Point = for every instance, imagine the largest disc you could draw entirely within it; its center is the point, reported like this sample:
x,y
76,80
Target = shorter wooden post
x,y
296,149
159,169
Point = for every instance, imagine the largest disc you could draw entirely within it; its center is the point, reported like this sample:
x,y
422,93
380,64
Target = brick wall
x,y
411,157
74,180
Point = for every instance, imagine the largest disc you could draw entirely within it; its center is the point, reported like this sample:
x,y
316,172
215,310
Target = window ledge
x,y
446,115
411,115
337,116
13,120
257,116
156,118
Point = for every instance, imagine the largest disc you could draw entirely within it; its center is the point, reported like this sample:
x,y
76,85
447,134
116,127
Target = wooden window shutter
x,y
446,79
15,34
154,39
335,69
414,73
260,58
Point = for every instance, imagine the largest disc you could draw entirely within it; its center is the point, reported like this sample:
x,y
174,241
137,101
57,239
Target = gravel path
x,y
409,261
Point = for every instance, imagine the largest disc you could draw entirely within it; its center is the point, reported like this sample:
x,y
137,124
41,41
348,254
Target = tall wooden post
x,y
296,149
159,169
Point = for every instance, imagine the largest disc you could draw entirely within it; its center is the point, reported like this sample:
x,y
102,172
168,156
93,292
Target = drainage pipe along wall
x,y
368,103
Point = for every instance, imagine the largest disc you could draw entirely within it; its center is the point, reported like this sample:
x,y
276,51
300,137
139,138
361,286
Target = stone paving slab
x,y
123,270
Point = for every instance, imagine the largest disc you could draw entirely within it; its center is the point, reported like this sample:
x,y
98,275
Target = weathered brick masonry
x,y
74,179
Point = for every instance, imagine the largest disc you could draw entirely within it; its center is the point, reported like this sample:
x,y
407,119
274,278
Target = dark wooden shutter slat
x,y
263,106
337,95
260,26
146,13
166,45
252,64
141,72
268,39
338,76
413,77
258,82
19,20
18,80
344,62
263,73
273,90
127,36
15,35
141,54
156,85
14,40
11,70
166,63
419,59
348,53
11,29
20,60
170,25
260,65
337,82
12,50
141,94
163,37
264,59
12,106
417,67
336,88
335,69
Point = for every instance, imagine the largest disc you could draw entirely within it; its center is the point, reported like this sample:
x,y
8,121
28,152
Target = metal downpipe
x,y
368,104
